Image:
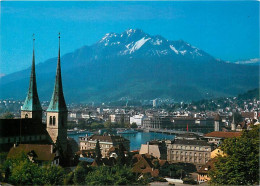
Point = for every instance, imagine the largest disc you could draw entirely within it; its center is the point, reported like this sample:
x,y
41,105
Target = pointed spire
x,y
32,102
233,120
57,101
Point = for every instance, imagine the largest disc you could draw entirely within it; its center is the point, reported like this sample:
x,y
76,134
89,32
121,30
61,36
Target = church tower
x,y
57,112
32,107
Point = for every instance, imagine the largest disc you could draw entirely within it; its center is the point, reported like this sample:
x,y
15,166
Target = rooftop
x,y
221,134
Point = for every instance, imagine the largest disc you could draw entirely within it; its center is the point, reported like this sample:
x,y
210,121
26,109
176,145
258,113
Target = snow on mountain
x,y
254,61
135,40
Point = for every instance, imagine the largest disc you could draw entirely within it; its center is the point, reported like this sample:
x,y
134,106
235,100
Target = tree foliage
x,y
121,159
240,165
117,175
21,171
98,152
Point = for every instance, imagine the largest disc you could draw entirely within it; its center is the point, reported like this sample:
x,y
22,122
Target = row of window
x,y
188,159
190,147
190,153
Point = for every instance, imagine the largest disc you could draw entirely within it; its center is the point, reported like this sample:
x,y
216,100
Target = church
x,y
29,129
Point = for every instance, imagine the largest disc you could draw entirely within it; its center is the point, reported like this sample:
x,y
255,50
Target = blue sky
x,y
226,30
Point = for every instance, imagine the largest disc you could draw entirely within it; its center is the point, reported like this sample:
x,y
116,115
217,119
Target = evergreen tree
x,y
98,152
121,160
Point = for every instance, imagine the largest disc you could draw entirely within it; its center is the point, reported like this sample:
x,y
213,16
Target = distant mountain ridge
x,y
136,65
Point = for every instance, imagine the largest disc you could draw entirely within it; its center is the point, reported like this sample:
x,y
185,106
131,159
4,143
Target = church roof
x,y
57,103
43,152
32,102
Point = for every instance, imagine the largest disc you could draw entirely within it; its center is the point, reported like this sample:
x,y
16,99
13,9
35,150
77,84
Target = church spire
x,y
57,103
32,102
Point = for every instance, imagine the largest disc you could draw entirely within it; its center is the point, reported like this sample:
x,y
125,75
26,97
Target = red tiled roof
x,y
221,134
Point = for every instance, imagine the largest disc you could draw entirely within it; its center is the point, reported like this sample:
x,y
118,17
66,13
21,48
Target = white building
x,y
138,119
155,103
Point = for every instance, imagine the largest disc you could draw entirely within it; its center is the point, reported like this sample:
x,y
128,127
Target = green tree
x,y
240,165
108,125
53,175
98,152
25,173
68,180
117,175
79,175
121,159
134,126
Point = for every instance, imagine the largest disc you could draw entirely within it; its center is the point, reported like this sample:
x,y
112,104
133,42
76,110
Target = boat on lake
x,y
127,131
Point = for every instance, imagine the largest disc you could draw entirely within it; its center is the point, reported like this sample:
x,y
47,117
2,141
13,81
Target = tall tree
x,y
98,151
121,160
240,165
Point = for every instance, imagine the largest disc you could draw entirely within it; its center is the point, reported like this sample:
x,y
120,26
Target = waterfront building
x,y
157,122
138,119
119,118
105,142
188,151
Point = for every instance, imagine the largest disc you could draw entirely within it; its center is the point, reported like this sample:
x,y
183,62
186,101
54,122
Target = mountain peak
x,y
133,41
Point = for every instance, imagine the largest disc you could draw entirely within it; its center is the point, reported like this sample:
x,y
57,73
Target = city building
x,y
119,118
105,142
138,119
157,122
188,151
217,137
157,149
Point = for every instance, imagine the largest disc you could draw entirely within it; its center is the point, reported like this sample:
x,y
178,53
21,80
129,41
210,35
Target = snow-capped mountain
x,y
136,65
136,42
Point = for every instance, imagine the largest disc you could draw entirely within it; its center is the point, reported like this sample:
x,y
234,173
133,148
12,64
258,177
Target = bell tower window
x,y
50,122
54,120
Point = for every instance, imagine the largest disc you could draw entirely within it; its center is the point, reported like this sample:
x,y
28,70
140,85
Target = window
x,y
50,122
54,120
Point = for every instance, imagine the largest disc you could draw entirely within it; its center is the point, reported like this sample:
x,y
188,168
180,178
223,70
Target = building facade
x,y
188,151
157,122
105,142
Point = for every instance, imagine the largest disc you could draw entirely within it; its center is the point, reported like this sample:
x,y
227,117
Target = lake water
x,y
135,139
